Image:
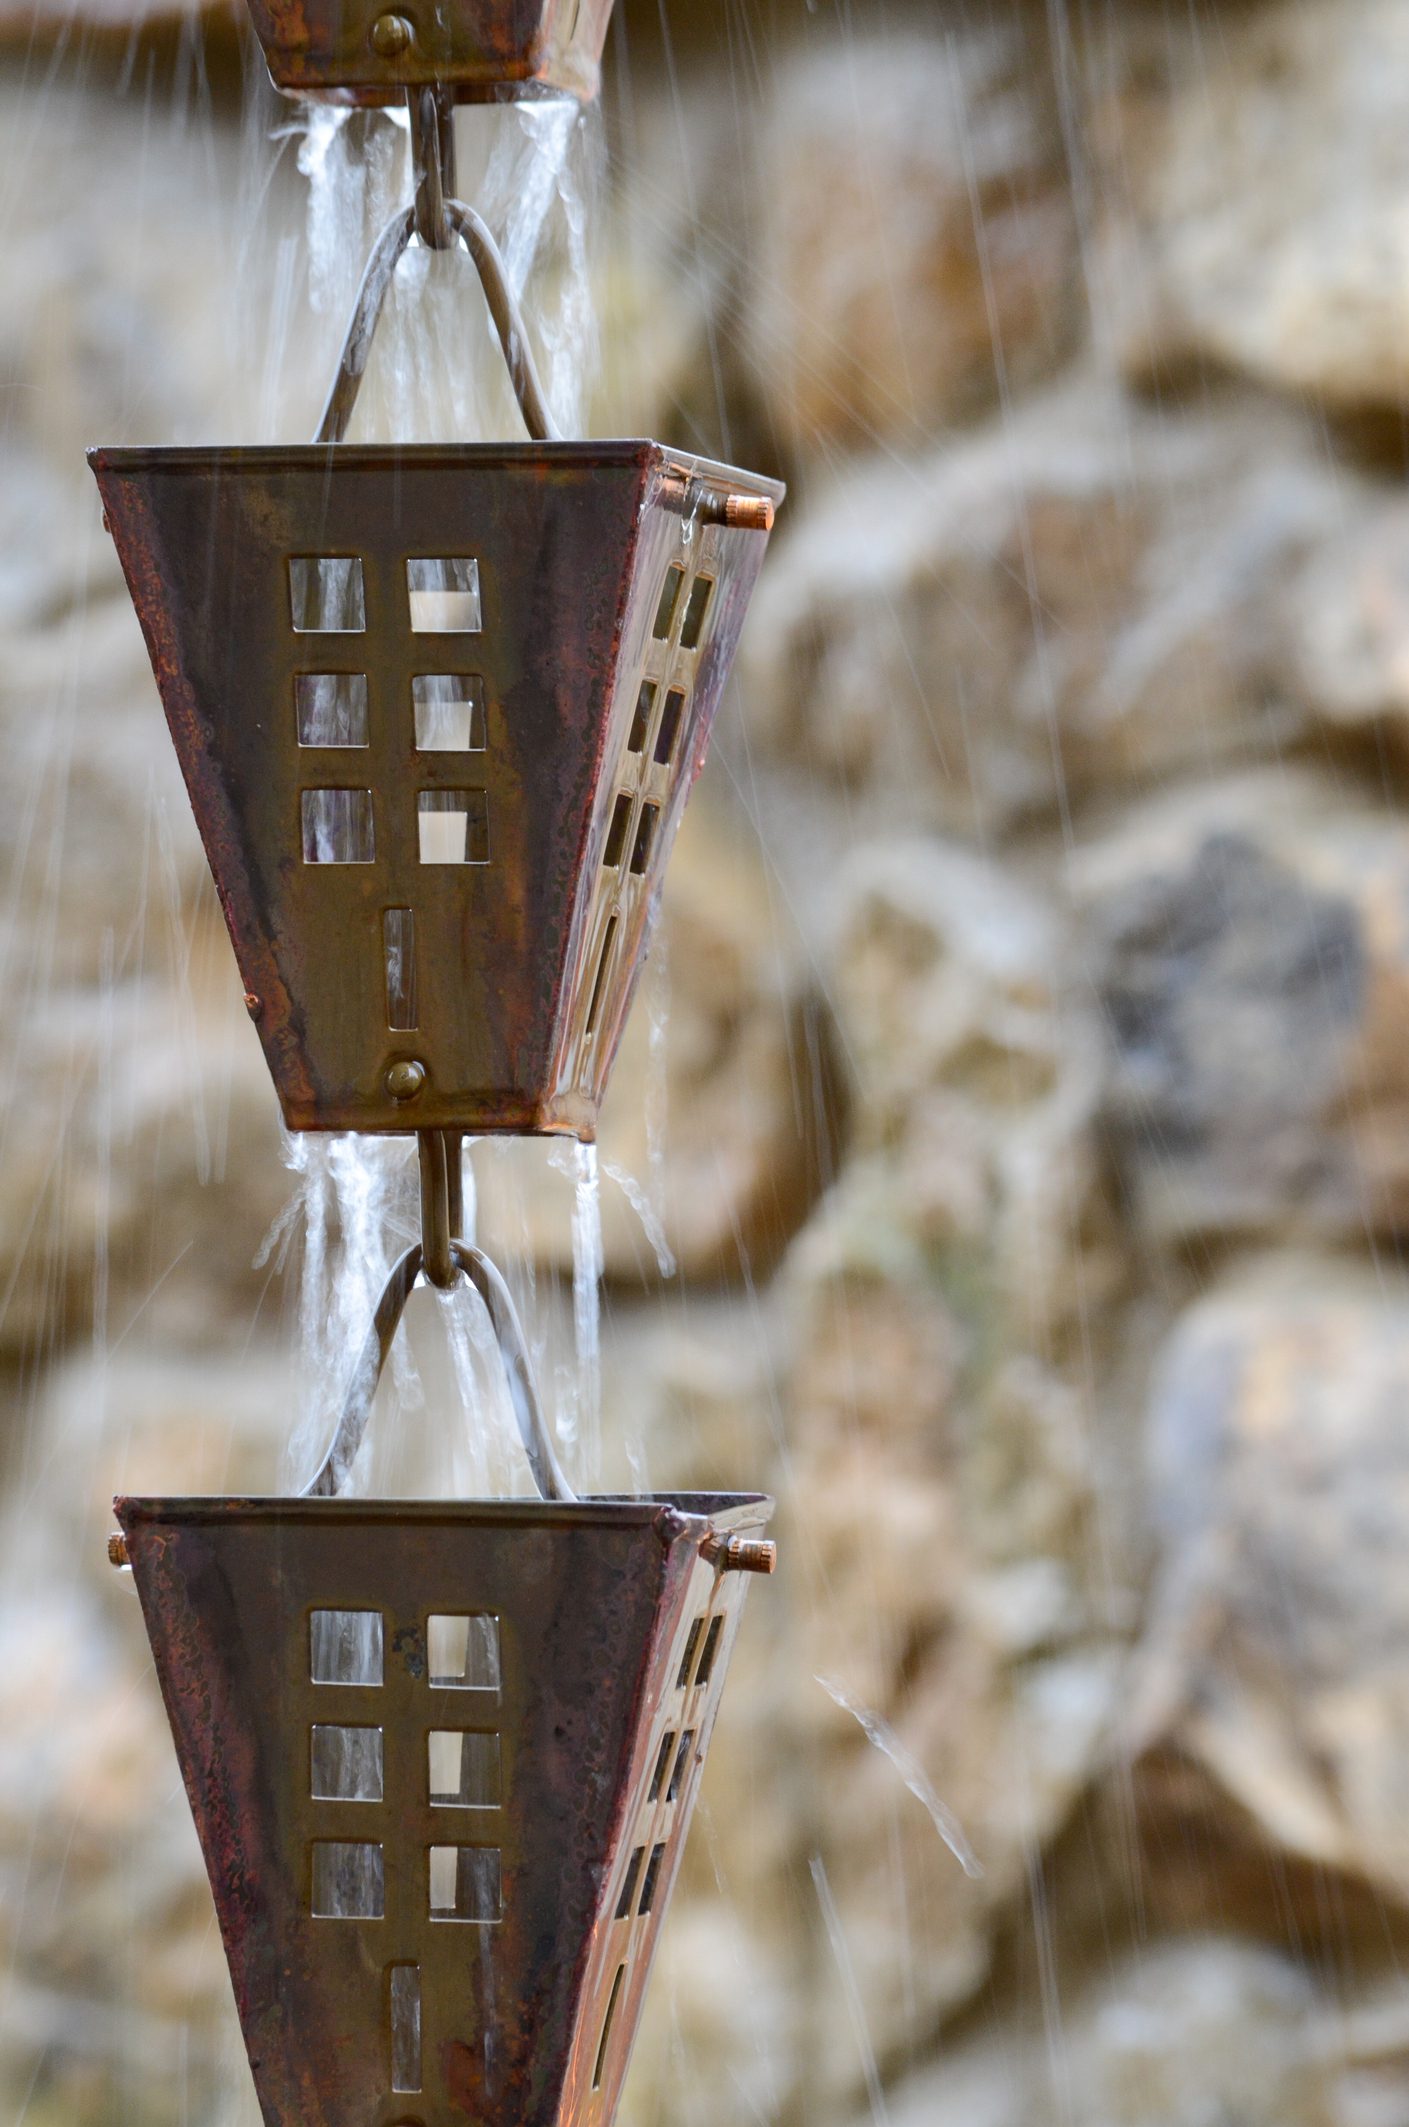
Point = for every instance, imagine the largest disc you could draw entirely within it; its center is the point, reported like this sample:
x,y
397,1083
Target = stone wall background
x,y
1034,1090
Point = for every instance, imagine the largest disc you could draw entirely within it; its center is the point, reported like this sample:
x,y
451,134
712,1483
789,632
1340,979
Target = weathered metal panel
x,y
482,51
613,1622
520,995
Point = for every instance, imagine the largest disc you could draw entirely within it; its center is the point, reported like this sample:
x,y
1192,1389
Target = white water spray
x,y
880,1733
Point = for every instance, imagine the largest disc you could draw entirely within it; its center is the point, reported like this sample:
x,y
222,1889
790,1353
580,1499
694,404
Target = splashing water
x,y
648,1201
531,169
580,1400
846,1971
356,1204
885,1739
651,1223
550,160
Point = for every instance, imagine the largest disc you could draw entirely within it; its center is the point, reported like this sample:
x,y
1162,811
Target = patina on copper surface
x,y
612,1630
612,594
480,51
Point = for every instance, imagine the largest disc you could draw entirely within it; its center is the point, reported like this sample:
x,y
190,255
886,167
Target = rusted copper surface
x,y
613,1633
482,51
524,960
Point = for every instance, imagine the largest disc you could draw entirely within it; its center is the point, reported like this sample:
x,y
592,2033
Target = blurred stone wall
x,y
1029,1049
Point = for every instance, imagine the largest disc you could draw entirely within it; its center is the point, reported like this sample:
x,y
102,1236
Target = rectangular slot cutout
x,y
641,718
444,595
399,948
616,833
338,827
454,826
645,835
349,1880
696,607
326,594
607,2022
682,1761
711,1649
671,718
669,600
687,1660
633,1877
345,1647
331,708
449,712
345,1764
648,1888
462,1651
404,2006
601,982
465,1884
463,1769
662,1765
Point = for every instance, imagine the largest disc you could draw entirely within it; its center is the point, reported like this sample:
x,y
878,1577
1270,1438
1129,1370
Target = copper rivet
x,y
405,1079
741,1556
252,1004
749,513
117,1549
392,35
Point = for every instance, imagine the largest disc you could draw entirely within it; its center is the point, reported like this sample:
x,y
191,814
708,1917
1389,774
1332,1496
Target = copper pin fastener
x,y
742,1554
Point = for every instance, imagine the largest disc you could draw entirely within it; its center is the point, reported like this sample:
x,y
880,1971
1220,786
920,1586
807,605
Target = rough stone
x,y
977,1071
1084,597
1349,645
1253,972
942,1485
1248,186
913,248
1181,2034
1279,1487
106,1914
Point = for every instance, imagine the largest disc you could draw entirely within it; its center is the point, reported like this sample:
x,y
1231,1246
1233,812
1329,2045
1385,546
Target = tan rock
x,y
1349,617
1279,1481
107,868
1084,596
914,244
977,1073
141,1150
718,2017
979,1658
1253,968
1248,205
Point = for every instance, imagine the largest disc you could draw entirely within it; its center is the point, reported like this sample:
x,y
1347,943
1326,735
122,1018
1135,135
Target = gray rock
x,y
1204,2032
1252,972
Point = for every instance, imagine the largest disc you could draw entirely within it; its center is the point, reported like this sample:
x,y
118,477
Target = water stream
x,y
437,374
